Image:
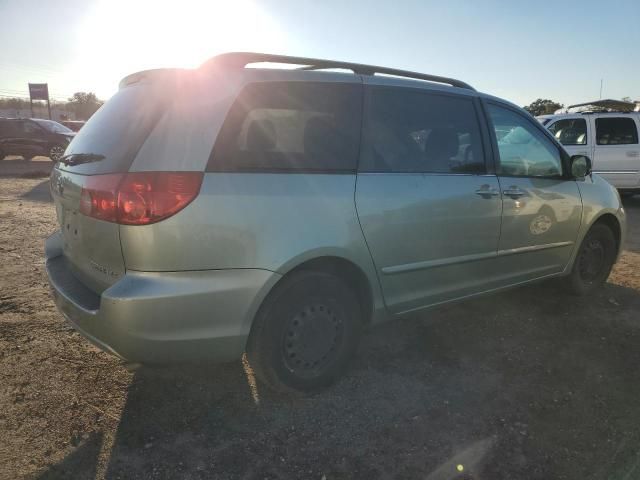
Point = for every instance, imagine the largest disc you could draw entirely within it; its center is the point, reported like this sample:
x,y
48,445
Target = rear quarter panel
x,y
266,221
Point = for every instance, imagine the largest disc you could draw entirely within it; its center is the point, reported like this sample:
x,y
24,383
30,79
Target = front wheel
x,y
305,333
56,152
594,260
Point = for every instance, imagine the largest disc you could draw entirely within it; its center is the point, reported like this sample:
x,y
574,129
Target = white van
x,y
610,139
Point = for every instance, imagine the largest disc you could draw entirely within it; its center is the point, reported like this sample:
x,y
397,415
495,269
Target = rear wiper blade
x,y
78,158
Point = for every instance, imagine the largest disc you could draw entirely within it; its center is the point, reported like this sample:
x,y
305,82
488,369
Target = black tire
x,y
594,260
305,333
56,152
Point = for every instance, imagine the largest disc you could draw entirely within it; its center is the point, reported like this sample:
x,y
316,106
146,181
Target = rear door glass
x,y
616,131
415,131
117,131
291,127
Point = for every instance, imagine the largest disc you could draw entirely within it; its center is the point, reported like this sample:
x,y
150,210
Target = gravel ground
x,y
528,384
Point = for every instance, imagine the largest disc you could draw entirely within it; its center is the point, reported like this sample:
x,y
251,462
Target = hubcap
x,y
592,260
311,339
56,153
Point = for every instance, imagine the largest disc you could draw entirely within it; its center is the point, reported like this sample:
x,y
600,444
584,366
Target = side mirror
x,y
580,166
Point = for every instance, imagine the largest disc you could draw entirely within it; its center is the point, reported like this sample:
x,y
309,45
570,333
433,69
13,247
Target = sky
x,y
518,50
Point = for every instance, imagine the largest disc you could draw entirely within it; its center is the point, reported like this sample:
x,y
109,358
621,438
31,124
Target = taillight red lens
x,y
138,198
99,197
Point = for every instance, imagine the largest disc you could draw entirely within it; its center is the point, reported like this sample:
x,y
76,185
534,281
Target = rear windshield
x,y
52,126
116,131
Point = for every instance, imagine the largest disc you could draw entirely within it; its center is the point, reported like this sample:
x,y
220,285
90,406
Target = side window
x,y
524,151
291,126
12,128
616,131
30,128
571,131
416,131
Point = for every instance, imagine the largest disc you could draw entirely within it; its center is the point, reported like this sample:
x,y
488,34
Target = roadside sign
x,y
39,91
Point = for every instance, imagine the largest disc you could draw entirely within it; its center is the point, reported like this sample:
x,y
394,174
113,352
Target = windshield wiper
x,y
78,158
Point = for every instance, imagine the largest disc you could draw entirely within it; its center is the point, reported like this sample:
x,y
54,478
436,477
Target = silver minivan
x,y
279,211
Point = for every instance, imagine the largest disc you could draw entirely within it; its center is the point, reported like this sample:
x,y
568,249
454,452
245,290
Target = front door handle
x,y
514,192
487,192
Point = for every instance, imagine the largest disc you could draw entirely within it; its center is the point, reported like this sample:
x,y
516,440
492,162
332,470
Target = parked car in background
x,y
278,212
610,139
30,137
74,125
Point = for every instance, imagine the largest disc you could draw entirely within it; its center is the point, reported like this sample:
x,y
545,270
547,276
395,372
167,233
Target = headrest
x,y
261,136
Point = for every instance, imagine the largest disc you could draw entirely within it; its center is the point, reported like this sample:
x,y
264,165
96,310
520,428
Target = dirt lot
x,y
528,384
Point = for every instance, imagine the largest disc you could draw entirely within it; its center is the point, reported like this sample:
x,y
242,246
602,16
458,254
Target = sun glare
x,y
119,37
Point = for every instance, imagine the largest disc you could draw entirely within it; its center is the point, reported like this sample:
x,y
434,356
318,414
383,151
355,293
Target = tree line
x,y
81,104
544,106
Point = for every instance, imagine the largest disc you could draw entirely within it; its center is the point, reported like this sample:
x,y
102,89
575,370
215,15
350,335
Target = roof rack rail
x,y
242,59
590,112
606,105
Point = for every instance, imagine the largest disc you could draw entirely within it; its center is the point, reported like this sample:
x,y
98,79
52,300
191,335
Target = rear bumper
x,y
162,317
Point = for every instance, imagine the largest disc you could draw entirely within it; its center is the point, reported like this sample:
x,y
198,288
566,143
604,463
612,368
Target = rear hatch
x,y
107,144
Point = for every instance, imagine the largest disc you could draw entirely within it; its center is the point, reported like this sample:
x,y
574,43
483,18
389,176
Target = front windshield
x,y
52,126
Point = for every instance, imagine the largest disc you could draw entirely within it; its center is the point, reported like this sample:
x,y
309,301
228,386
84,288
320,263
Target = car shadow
x,y
530,383
39,193
632,206
81,463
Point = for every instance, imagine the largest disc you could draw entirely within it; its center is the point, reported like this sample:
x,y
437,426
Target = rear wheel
x,y
56,152
594,261
305,333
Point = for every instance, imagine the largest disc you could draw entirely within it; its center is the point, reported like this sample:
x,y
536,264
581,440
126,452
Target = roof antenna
x,y
601,80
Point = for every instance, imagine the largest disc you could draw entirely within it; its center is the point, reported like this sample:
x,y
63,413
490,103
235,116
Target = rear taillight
x,y
138,198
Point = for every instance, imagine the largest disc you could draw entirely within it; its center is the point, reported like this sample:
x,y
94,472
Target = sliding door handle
x,y
514,192
486,192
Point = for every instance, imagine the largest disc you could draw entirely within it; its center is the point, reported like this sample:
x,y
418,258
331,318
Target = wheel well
x,y
350,273
612,222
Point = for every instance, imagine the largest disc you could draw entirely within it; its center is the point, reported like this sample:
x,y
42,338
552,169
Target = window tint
x,y
13,128
30,128
51,126
5,128
415,131
571,131
616,131
523,149
291,126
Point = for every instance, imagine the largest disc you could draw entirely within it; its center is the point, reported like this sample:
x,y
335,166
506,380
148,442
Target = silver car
x,y
206,213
